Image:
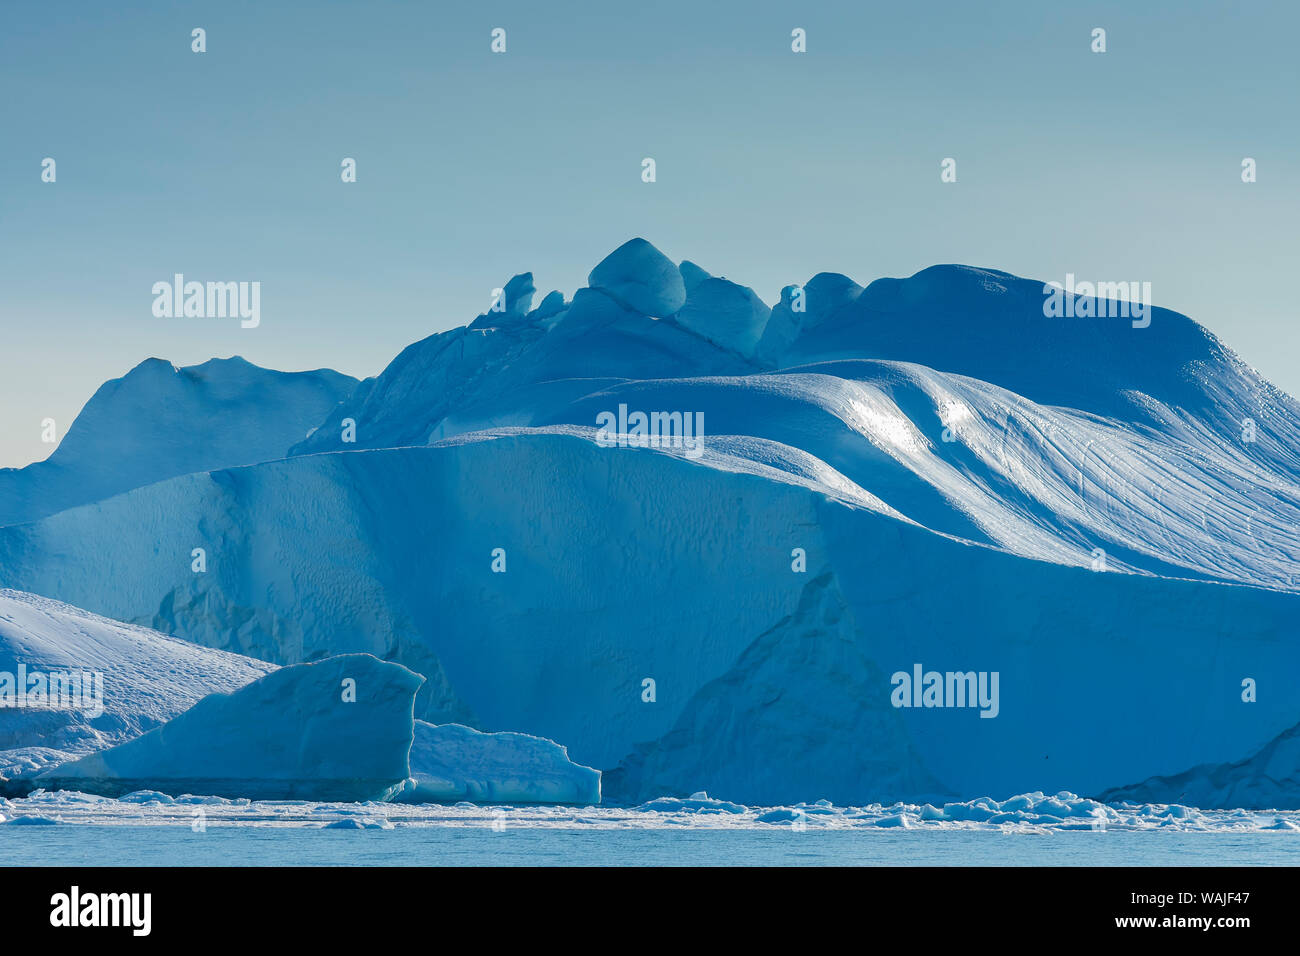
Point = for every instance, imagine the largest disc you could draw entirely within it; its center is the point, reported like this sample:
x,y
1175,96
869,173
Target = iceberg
x,y
503,370
159,421
138,680
451,763
128,680
338,729
575,593
923,473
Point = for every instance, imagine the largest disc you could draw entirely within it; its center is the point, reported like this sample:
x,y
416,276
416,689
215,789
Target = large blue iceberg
x,y
936,544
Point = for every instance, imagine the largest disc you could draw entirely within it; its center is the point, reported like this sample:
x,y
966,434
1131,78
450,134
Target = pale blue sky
x,y
472,166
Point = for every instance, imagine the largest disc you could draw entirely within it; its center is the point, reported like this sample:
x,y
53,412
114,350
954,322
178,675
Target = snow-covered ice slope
x,y
949,395
159,421
337,729
925,472
978,462
147,679
450,763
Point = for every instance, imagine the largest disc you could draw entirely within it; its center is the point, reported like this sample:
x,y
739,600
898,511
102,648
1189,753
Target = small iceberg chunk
x,y
335,730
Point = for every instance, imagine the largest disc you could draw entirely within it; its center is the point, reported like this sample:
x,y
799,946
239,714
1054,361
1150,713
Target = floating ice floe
x,y
1030,814
339,729
452,763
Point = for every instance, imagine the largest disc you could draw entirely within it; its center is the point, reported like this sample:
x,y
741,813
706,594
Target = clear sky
x,y
472,166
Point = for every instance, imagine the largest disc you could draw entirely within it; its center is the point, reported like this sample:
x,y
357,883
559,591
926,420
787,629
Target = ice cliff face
x,y
923,473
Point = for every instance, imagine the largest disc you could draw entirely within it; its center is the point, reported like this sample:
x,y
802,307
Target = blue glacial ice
x,y
137,680
338,729
451,763
641,278
159,421
132,680
1267,778
922,472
